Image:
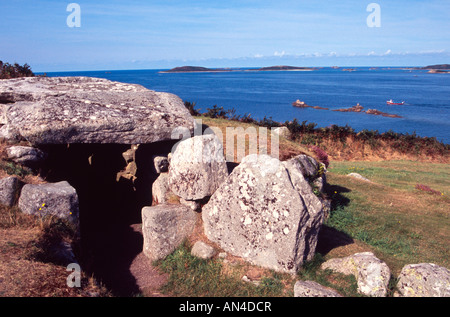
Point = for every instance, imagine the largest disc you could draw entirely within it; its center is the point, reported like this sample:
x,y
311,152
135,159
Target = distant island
x,y
440,66
199,69
195,69
437,69
284,68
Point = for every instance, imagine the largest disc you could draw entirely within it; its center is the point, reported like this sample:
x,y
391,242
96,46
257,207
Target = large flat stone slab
x,y
63,110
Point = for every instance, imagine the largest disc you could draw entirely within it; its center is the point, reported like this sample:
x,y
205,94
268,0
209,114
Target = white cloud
x,y
279,54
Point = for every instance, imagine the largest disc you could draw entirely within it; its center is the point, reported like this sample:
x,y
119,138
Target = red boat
x,y
390,102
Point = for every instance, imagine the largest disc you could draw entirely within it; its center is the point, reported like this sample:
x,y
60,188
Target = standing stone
x,y
266,213
164,228
160,189
197,167
424,280
313,289
9,187
372,274
55,199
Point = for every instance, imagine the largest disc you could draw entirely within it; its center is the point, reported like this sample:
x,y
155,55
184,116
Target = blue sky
x,y
138,34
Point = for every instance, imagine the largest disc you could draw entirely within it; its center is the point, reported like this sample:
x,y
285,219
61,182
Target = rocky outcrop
x,y
313,289
197,167
266,213
54,199
359,108
64,110
26,155
372,274
423,280
164,228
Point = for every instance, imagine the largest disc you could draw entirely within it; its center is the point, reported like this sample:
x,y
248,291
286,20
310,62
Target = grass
x,y
192,276
403,224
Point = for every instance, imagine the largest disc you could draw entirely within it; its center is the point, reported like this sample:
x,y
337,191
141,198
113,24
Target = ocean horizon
x,y
270,94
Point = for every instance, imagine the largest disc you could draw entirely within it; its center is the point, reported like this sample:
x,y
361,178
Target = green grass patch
x,y
404,225
194,277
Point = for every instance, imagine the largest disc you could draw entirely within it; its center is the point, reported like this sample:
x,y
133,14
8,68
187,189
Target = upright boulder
x,y
266,213
9,187
64,110
164,228
54,199
197,167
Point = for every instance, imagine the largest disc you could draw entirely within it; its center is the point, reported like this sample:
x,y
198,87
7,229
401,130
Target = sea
x,y
270,94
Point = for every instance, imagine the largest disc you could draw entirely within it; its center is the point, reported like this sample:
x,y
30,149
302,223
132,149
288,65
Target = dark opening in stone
x,y
110,207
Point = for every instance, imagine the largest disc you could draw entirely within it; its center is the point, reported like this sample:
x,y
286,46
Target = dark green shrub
x,y
190,106
216,112
8,71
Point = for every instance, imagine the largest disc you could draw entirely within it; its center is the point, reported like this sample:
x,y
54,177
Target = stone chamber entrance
x,y
110,208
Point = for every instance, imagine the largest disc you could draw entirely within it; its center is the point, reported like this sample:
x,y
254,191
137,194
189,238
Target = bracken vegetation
x,y
343,142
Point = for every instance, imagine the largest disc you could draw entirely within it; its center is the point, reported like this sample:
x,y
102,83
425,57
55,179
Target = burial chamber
x,y
110,203
85,125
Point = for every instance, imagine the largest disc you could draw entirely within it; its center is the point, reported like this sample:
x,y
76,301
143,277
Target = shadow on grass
x,y
329,237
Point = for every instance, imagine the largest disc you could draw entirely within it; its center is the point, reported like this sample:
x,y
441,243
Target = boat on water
x,y
391,102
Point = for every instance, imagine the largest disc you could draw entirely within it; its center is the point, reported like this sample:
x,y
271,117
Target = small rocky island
x,y
195,69
357,108
285,68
